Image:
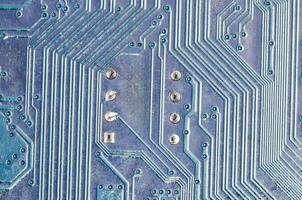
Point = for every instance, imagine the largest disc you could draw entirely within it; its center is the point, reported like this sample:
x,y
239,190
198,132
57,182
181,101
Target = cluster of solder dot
x,y
19,107
110,187
163,194
175,97
212,115
15,156
110,116
59,7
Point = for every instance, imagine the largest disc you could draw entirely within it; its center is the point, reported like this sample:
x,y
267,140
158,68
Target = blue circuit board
x,y
150,100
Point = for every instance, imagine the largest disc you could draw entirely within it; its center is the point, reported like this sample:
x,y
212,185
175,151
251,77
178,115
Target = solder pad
x,y
150,99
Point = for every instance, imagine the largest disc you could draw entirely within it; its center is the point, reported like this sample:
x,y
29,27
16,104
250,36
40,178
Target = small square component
x,y
109,137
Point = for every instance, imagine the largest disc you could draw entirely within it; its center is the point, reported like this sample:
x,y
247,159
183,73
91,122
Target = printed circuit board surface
x,y
150,99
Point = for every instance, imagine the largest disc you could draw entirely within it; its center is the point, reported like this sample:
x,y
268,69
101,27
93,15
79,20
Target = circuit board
x,y
150,100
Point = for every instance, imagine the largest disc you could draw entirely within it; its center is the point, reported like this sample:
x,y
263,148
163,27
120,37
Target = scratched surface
x,y
150,99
